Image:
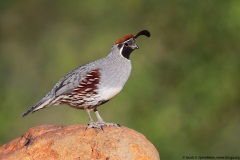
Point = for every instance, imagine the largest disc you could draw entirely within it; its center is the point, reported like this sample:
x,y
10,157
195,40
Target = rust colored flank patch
x,y
86,88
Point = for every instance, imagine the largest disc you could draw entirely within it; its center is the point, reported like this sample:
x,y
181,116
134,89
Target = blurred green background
x,y
184,90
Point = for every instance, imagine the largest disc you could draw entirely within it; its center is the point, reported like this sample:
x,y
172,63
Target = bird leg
x,y
101,123
100,120
91,124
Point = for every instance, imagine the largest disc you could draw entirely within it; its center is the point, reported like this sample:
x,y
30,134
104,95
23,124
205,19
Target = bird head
x,y
127,43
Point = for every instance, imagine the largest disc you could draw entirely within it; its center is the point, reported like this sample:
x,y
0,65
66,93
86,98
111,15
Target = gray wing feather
x,y
70,81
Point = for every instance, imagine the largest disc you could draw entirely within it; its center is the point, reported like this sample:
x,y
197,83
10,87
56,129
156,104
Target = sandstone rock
x,y
76,143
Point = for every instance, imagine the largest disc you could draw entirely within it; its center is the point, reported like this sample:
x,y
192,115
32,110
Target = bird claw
x,y
100,125
93,125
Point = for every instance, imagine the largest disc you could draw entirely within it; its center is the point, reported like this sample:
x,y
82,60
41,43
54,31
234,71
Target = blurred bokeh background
x,y
184,90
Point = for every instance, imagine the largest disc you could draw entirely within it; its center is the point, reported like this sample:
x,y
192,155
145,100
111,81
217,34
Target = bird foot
x,y
100,125
108,124
93,125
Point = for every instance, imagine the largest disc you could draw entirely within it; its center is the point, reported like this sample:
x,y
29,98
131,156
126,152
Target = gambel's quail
x,y
95,83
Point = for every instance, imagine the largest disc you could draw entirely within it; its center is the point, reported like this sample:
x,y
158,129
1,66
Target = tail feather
x,y
40,105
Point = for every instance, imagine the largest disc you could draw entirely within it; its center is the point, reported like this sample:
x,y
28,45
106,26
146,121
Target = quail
x,y
93,84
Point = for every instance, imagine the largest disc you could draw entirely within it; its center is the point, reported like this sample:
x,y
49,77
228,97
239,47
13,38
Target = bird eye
x,y
126,44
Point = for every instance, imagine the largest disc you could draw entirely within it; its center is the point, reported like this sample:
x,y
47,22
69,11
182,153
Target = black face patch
x,y
126,51
126,48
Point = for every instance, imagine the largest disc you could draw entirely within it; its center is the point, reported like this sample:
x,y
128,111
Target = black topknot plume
x,y
143,32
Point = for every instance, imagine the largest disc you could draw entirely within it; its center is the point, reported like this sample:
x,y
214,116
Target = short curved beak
x,y
134,46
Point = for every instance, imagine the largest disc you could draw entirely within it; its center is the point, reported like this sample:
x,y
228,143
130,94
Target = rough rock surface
x,y
75,142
